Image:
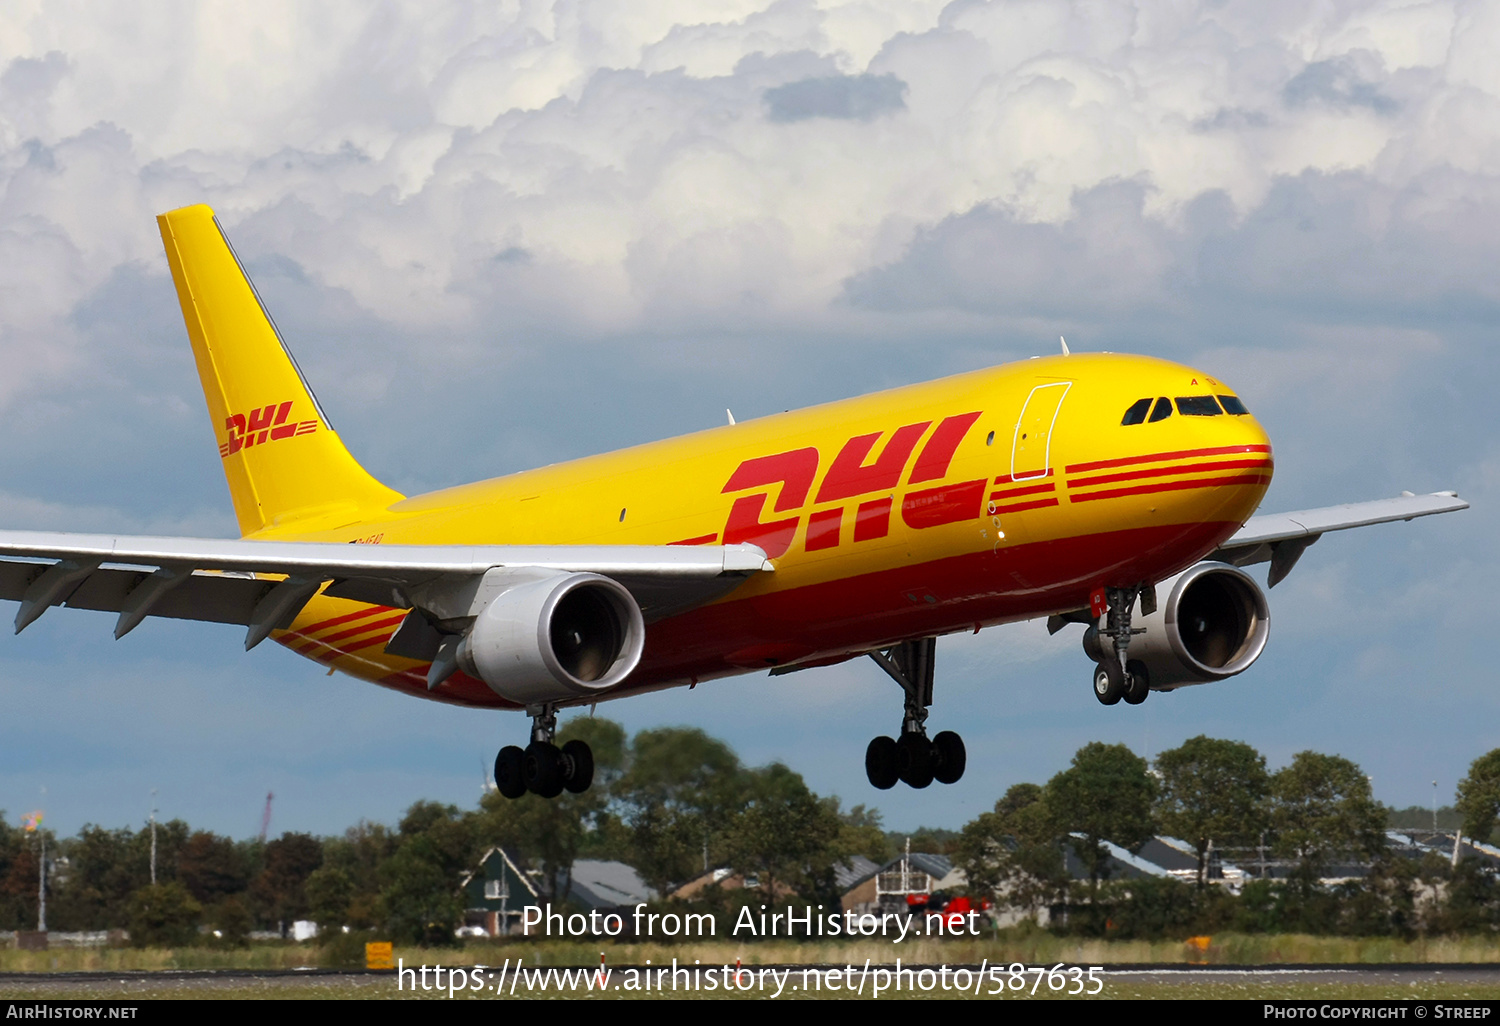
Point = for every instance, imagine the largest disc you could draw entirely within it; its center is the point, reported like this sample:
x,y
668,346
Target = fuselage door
x,y
1030,452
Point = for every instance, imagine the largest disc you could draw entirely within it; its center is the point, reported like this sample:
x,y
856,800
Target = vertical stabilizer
x,y
282,460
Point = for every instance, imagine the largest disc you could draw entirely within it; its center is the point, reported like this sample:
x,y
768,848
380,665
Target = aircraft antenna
x,y
265,818
730,415
1064,345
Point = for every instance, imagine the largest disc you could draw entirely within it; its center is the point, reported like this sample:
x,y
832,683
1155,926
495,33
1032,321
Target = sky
x,y
503,235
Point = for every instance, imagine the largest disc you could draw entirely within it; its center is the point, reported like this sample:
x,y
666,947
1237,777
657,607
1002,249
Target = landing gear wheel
x,y
949,757
544,776
1109,682
880,763
1138,687
510,772
914,760
578,758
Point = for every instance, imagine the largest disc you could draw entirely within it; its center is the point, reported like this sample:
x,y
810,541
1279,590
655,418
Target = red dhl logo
x,y
267,424
852,474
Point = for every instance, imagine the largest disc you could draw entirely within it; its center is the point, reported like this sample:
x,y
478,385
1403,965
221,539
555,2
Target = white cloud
x,y
582,222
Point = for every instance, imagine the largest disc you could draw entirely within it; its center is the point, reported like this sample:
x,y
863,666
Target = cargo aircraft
x,y
1112,491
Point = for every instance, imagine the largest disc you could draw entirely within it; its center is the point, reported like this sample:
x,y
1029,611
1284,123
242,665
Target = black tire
x,y
914,760
544,769
510,772
880,763
579,758
1138,687
1109,682
949,757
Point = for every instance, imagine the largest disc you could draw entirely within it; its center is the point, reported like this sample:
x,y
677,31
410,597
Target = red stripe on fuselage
x,y
346,618
1181,468
1174,486
1016,507
352,632
1125,461
362,628
1011,493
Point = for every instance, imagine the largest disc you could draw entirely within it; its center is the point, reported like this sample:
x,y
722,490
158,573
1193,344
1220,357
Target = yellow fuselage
x,y
989,497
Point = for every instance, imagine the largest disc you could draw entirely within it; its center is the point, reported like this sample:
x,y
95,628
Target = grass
x,y
1031,947
383,987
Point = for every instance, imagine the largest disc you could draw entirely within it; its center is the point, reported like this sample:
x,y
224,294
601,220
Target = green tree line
x,y
673,802
668,802
1292,830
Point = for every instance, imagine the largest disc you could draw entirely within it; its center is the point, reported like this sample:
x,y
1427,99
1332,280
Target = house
x,y
496,892
905,881
847,875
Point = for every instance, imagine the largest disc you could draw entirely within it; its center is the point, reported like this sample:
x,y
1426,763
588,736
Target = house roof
x,y
495,863
854,871
599,884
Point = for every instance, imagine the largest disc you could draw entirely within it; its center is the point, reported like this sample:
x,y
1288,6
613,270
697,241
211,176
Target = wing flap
x,y
212,598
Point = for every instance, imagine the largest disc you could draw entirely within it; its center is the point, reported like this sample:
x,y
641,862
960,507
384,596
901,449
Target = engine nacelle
x,y
549,637
1211,622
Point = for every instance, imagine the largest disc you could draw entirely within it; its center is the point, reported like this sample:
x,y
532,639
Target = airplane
x,y
1108,490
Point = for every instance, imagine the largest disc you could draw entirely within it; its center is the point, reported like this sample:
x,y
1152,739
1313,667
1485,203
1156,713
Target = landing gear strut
x,y
913,759
1115,675
541,767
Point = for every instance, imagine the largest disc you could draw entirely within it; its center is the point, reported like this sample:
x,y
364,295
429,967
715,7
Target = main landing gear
x,y
542,768
913,759
1115,675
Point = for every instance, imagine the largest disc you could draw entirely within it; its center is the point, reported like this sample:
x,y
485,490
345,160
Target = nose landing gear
x,y
1115,675
541,767
913,759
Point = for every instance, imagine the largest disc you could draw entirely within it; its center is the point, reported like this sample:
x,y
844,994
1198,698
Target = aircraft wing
x,y
264,584
1281,538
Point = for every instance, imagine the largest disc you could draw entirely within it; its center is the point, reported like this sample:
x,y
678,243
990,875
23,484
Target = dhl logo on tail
x,y
266,424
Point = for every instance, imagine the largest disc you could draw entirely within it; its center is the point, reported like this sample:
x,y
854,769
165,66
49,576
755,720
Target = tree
x,y
211,868
784,835
279,888
420,892
1212,790
680,794
345,889
1479,797
860,833
1322,808
163,915
1106,795
1013,852
421,901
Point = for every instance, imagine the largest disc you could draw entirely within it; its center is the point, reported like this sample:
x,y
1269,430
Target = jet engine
x,y
551,637
1212,623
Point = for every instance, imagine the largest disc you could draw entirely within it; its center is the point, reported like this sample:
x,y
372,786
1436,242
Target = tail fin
x,y
283,460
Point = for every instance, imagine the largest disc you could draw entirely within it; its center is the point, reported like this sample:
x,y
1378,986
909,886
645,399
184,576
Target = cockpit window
x,y
1137,412
1163,410
1198,406
1233,405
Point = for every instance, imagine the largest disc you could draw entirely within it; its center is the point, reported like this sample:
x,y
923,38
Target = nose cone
x,y
1237,474
1166,446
